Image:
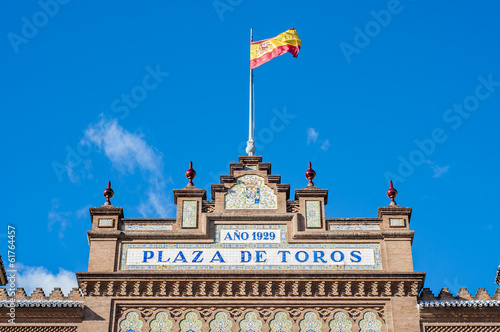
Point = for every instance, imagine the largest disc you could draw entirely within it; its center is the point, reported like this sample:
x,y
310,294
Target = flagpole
x,y
250,150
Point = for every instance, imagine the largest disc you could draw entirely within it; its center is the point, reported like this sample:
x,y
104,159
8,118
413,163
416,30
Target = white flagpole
x,y
251,116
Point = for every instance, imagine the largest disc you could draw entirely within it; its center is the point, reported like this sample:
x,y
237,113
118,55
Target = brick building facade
x,y
251,259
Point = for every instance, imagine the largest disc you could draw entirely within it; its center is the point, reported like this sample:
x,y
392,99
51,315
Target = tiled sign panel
x,y
250,247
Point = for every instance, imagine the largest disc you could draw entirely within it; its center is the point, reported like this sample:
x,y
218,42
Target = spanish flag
x,y
265,50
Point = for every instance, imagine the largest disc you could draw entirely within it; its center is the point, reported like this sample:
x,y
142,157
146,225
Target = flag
x,y
265,50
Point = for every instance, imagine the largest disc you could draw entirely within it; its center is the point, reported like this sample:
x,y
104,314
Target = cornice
x,y
272,285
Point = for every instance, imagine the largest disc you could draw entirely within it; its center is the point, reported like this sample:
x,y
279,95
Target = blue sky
x,y
406,90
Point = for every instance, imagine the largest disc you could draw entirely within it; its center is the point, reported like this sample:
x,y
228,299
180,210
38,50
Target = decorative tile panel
x,y
146,227
191,323
310,323
397,222
189,214
105,222
340,323
370,323
251,323
351,227
274,253
131,323
161,323
313,214
221,323
250,192
280,323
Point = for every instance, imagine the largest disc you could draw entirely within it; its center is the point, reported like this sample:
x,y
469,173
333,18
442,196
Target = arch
x,y
251,323
131,323
221,323
310,323
161,323
191,323
280,323
340,323
370,323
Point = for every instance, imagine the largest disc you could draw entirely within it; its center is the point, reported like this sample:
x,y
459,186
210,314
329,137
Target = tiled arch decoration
x,y
269,319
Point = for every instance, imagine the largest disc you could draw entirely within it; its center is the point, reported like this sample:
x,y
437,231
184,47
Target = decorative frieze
x,y
250,288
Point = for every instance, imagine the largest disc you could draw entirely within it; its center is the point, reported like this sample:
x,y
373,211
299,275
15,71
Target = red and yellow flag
x,y
265,50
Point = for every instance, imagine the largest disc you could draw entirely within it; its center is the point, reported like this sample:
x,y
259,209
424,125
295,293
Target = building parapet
x,y
463,296
38,296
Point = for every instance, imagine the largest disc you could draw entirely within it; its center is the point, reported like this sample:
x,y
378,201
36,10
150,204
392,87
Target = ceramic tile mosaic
x,y
108,222
250,192
313,214
146,227
161,323
131,323
189,214
350,227
370,323
221,323
250,256
310,323
280,323
191,323
396,222
251,323
340,323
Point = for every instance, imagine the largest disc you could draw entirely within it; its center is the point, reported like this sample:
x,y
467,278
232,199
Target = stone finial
x,y
392,193
108,193
38,294
56,294
310,175
190,174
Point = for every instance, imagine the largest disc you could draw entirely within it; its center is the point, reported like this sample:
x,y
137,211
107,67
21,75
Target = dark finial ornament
x,y
310,175
108,193
392,193
190,174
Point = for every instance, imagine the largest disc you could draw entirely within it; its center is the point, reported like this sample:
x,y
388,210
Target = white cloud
x,y
438,171
31,277
129,152
325,145
312,135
